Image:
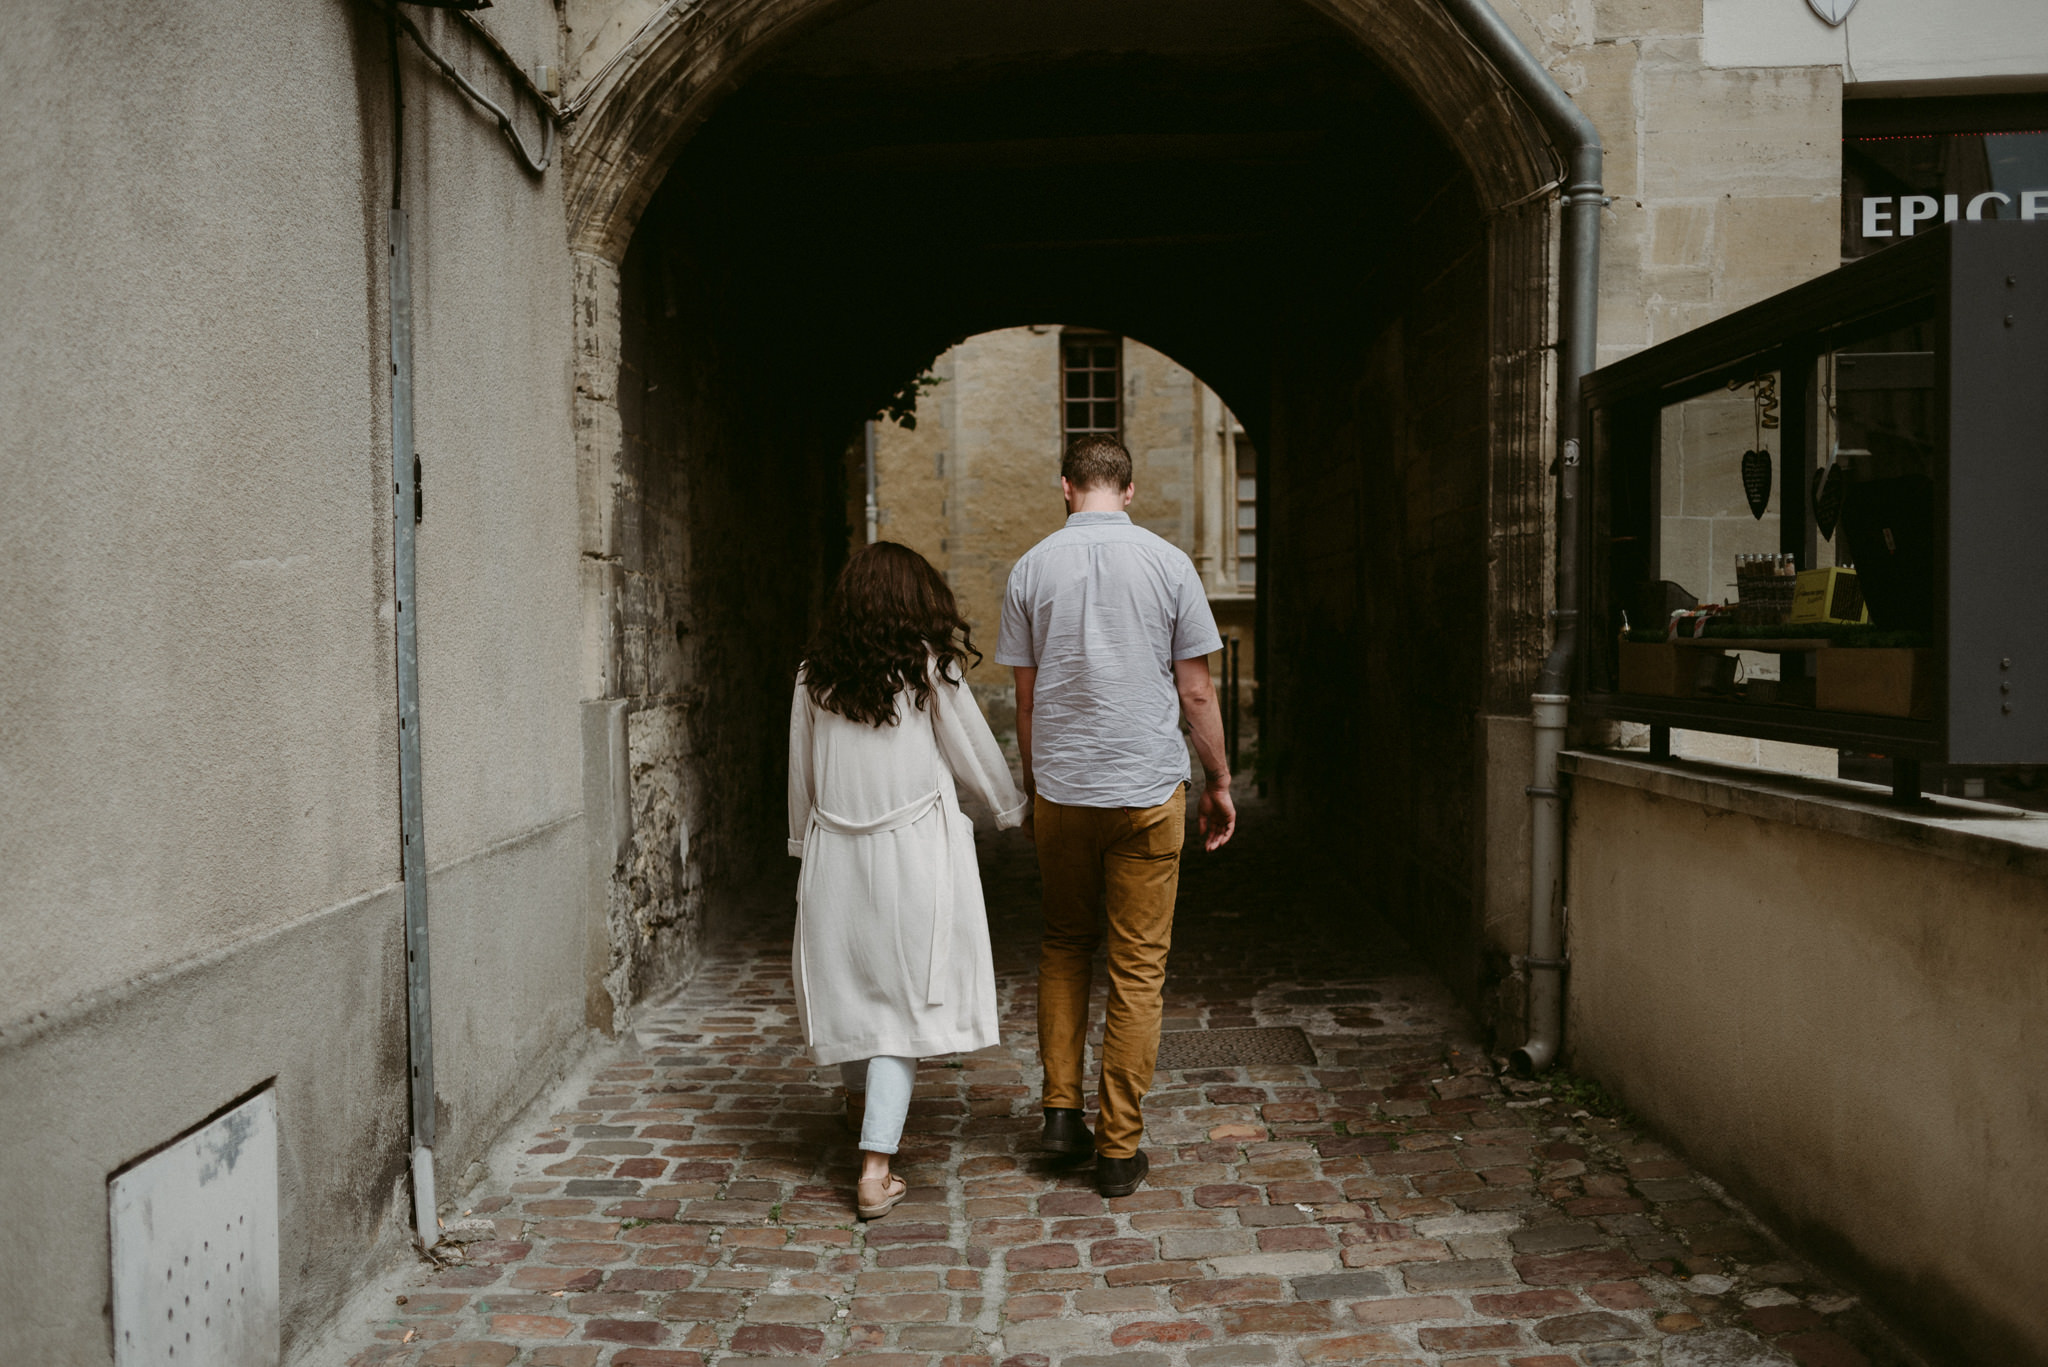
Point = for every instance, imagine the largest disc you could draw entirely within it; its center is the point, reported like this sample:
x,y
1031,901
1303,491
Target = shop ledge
x,y
1979,833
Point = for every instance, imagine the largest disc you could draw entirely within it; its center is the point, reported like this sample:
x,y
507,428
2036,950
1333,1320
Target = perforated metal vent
x,y
195,1246
1234,1048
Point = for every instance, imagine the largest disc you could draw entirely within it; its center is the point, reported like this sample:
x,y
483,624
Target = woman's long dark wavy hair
x,y
889,615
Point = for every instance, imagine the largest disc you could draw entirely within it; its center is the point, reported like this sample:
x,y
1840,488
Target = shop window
x,y
1814,520
1091,383
1910,165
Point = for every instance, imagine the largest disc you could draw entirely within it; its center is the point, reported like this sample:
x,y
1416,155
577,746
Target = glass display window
x,y
1815,520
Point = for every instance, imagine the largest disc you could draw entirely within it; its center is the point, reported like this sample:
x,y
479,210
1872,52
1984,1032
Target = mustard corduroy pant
x,y
1119,868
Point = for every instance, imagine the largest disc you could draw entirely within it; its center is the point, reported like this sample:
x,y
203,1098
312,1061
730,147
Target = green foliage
x,y
901,408
1575,1093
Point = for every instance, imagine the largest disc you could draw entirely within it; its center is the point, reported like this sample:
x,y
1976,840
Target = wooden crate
x,y
1880,682
1655,670
1674,671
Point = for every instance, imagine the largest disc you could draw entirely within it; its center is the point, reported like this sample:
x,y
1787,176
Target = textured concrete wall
x,y
1839,1010
199,819
196,529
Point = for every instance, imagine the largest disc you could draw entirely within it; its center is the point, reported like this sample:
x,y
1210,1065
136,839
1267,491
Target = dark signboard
x,y
1910,165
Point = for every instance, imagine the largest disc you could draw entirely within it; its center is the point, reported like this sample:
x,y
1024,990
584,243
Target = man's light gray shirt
x,y
1102,609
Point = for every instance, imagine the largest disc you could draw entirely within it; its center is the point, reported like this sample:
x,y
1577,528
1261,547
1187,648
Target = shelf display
x,y
1817,519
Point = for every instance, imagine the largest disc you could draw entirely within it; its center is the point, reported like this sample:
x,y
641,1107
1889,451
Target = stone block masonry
x,y
1396,1203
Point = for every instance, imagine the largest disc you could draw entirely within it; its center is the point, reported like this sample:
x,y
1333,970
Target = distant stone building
x,y
975,482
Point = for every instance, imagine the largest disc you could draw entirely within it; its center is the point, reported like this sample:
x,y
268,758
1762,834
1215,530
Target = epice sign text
x,y
1913,210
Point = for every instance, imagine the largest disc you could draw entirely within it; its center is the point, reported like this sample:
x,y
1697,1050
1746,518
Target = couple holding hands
x,y
1109,632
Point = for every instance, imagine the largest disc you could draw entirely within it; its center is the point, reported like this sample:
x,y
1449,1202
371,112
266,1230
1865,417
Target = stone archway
x,y
622,149
1436,549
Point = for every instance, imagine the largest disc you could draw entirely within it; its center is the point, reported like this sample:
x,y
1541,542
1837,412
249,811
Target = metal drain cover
x,y
1233,1048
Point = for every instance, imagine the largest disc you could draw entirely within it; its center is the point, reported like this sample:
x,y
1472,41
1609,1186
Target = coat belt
x,y
942,884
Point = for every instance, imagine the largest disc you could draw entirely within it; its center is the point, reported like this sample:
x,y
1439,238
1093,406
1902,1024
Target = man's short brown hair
x,y
1096,460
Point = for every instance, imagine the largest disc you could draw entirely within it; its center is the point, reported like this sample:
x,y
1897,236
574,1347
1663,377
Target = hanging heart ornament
x,y
1834,11
1830,491
1756,480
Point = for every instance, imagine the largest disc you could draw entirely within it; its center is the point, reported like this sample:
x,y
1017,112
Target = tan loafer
x,y
877,1198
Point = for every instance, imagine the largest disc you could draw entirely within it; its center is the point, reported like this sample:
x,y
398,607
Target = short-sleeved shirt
x,y
1102,609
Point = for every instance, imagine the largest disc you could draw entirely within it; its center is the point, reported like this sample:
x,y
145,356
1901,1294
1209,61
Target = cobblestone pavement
x,y
1394,1204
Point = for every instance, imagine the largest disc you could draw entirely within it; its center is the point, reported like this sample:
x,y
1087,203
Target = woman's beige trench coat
x,y
892,952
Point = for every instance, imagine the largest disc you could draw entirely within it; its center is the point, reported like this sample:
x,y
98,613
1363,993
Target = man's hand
x,y
1028,825
1216,815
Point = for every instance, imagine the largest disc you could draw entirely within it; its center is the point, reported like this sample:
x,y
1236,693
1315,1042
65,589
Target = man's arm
x,y
1216,813
1027,686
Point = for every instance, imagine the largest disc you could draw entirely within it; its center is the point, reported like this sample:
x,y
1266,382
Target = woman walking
x,y
892,958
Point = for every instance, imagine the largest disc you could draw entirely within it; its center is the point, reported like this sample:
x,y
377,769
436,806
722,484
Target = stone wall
x,y
1376,588
1725,182
728,507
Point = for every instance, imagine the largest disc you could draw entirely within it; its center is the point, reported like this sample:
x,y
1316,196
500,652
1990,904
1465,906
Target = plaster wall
x,y
1885,40
196,534
1843,1023
199,812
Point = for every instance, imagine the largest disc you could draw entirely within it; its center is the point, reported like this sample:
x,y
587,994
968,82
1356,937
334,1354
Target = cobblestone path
x,y
1394,1204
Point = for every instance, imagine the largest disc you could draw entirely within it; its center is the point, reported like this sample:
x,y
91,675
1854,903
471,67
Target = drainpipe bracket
x,y
1548,965
1532,790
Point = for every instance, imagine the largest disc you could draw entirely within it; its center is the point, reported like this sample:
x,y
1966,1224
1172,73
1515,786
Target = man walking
x,y
1109,633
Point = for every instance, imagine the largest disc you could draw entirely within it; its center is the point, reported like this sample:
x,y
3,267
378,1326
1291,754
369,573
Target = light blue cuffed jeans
x,y
887,1082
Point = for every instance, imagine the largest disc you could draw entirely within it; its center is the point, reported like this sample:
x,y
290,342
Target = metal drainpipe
x,y
1578,318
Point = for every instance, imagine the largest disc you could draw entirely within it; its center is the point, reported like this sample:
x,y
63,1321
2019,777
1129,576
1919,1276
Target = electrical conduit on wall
x,y
406,511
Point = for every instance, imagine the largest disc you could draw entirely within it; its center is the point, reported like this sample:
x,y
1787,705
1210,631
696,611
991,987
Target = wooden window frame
x,y
1074,339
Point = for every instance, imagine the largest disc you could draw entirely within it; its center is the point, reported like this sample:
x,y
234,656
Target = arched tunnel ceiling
x,y
1198,173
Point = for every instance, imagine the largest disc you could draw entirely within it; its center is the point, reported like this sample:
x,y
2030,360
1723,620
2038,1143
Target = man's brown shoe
x,y
1066,1132
1121,1176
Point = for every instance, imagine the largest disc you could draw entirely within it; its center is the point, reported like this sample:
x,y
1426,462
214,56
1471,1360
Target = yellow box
x,y
1829,595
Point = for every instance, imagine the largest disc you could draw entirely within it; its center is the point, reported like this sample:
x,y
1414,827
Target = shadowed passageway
x,y
1394,1203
